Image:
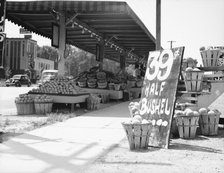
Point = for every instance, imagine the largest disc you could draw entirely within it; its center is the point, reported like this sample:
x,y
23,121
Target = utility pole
x,y
171,43
158,24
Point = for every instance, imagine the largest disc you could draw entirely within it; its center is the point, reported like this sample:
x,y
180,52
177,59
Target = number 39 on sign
x,y
159,65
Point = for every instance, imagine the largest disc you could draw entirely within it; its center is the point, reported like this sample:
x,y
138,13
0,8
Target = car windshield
x,y
16,77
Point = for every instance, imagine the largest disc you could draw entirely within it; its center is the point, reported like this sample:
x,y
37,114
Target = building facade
x,y
42,64
19,53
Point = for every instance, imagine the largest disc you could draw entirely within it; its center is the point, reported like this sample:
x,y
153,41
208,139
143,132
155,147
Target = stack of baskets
x,y
101,80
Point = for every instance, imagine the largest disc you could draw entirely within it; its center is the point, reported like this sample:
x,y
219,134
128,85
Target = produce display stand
x,y
66,98
113,94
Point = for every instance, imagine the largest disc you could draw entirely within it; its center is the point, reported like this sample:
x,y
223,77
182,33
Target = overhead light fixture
x,y
111,46
83,31
91,35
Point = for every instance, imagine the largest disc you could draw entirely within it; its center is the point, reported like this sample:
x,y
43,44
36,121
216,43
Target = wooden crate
x,y
138,135
43,107
25,108
210,57
193,80
187,126
209,124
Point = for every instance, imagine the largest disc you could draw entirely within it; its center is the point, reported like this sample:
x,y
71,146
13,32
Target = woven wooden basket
x,y
138,135
209,124
187,126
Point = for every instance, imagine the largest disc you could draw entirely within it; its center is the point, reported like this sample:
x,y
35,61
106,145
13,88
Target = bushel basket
x,y
138,135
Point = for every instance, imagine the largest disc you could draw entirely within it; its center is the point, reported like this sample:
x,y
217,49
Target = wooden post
x,y
61,49
122,61
102,48
158,24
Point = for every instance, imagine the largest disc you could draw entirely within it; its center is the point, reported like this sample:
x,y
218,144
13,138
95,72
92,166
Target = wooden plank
x,y
159,93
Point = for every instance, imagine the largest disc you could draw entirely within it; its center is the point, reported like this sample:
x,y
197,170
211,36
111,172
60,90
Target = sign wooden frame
x,y
158,96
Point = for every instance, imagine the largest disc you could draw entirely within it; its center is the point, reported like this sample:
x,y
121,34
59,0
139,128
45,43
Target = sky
x,y
190,23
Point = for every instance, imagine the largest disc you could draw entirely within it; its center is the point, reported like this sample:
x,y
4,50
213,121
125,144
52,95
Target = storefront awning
x,y
86,23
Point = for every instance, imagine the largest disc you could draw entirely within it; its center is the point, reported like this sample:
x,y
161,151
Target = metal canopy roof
x,y
87,22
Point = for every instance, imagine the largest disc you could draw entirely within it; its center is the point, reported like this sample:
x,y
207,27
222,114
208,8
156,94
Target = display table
x,y
71,99
117,95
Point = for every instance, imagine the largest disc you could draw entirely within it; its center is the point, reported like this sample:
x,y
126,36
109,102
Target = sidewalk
x,y
65,147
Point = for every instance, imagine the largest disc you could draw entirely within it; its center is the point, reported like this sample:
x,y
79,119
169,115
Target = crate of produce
x,y
93,102
43,104
24,104
209,121
137,132
193,79
210,57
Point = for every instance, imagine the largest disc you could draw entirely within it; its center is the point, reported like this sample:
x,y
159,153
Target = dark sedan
x,y
18,80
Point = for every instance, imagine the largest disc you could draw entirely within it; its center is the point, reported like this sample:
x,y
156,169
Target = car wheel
x,y
7,85
29,84
18,85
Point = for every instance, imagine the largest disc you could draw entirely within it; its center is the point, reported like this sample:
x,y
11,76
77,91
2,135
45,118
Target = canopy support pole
x,y
61,49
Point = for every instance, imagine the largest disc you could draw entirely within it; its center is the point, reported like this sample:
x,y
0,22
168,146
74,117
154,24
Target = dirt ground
x,y
200,155
204,154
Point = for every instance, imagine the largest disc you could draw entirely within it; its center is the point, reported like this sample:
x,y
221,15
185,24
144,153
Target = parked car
x,y
18,80
47,75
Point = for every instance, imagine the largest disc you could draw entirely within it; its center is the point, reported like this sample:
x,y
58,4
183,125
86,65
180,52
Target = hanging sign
x,y
159,93
2,15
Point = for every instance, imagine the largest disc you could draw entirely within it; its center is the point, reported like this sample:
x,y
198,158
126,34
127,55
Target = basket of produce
x,y
187,123
131,83
24,104
134,108
43,104
117,87
139,83
137,131
209,121
93,102
193,79
105,98
123,86
91,83
82,82
102,84
210,57
189,62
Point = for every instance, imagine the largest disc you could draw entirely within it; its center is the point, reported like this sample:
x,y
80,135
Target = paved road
x,y
7,98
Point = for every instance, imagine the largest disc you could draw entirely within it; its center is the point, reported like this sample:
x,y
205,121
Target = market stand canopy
x,y
87,24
